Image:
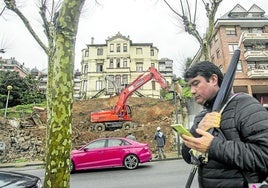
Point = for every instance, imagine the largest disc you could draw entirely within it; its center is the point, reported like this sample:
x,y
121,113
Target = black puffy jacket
x,y
241,155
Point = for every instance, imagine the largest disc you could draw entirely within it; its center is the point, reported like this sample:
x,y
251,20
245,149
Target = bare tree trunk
x,y
59,144
61,34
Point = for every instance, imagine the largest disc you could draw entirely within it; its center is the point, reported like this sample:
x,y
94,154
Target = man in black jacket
x,y
237,150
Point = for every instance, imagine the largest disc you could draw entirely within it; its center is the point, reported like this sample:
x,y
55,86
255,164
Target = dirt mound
x,y
148,113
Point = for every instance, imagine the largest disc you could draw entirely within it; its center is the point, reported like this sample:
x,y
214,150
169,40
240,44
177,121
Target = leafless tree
x,y
60,24
187,16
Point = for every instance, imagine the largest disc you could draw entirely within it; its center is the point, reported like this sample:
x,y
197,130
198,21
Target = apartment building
x,y
251,27
165,67
42,77
13,65
109,67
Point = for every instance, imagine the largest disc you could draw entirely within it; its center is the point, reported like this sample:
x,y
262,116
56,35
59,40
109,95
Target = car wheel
x,y
131,161
99,127
72,167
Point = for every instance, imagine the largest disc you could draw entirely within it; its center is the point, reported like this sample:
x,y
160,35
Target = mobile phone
x,y
180,129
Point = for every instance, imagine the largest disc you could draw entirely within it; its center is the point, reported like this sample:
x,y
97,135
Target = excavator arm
x,y
152,73
121,112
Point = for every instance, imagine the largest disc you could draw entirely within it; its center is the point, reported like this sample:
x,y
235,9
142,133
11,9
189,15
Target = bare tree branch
x,y
211,15
11,5
195,10
174,11
2,10
211,8
189,10
43,9
182,8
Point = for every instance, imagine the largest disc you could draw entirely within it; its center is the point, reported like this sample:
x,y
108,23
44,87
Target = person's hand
x,y
210,120
201,144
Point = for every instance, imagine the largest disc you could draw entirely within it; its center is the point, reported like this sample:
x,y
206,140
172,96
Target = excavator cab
x,y
129,110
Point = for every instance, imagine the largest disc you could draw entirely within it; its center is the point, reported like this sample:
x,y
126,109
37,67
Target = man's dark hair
x,y
205,69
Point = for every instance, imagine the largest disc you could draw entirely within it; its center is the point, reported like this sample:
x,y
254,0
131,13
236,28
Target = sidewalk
x,y
22,164
170,156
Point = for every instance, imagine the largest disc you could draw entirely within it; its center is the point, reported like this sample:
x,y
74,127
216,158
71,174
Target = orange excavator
x,y
120,115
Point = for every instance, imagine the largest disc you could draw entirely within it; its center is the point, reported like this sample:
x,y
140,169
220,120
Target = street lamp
x,y
9,87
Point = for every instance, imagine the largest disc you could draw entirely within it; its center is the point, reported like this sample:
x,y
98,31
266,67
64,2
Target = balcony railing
x,y
256,55
258,73
250,38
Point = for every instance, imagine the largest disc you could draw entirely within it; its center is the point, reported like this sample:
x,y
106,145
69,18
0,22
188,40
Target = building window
x,y
256,30
125,62
161,67
99,67
118,47
118,63
152,65
111,47
239,67
230,31
213,59
218,53
111,64
118,81
153,85
138,51
100,51
216,38
110,84
85,69
232,47
85,86
245,30
125,47
98,85
86,53
125,80
139,67
152,52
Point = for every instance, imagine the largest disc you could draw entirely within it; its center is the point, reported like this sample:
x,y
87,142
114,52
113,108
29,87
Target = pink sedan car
x,y
110,152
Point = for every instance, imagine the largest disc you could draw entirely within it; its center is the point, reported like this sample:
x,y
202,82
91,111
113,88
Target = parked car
x,y
110,152
18,180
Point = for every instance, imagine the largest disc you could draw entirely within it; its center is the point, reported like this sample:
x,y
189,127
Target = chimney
x,y
92,40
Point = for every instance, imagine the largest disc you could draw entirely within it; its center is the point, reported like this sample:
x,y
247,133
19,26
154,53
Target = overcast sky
x,y
144,21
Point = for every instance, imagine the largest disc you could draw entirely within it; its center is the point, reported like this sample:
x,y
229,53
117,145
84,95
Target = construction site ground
x,y
25,141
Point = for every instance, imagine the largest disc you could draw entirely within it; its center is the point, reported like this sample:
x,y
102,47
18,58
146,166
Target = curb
x,y
40,163
19,165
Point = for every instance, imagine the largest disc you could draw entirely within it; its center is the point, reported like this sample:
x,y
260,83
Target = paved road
x,y
157,174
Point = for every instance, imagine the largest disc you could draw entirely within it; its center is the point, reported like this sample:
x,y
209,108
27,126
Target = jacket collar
x,y
209,103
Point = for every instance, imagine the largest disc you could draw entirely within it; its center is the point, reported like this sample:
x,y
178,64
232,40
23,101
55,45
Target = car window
x,y
96,144
117,142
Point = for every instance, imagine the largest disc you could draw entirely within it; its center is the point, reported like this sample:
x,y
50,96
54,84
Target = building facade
x,y
13,65
42,77
107,68
165,67
251,27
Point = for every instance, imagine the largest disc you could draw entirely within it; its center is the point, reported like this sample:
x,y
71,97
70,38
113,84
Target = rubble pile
x,y
25,139
21,143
